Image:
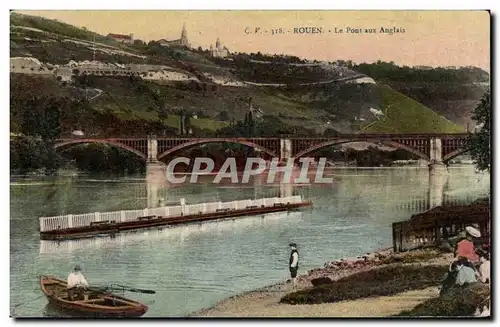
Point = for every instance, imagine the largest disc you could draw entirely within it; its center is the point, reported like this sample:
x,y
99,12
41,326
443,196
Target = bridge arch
x,y
70,143
454,154
391,144
195,142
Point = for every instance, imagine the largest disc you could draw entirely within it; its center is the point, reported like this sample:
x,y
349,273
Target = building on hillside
x,y
63,73
29,65
219,51
182,42
122,38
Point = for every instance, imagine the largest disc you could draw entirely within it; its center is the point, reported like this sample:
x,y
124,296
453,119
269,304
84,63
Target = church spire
x,y
184,38
217,44
184,33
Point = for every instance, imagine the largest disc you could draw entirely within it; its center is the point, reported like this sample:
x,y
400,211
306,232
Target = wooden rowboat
x,y
94,303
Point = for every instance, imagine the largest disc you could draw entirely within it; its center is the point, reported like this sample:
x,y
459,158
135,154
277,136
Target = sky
x,y
430,38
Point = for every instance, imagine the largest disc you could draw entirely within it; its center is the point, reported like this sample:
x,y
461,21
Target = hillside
x,y
450,92
144,88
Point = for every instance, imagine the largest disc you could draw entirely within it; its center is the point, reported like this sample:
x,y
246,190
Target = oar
x,y
131,289
121,287
99,289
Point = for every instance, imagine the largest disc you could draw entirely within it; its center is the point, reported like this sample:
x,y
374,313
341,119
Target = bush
x,y
382,281
457,302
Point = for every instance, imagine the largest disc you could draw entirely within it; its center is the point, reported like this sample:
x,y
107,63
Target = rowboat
x,y
94,303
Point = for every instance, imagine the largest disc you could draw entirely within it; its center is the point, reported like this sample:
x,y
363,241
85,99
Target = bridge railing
x,y
87,219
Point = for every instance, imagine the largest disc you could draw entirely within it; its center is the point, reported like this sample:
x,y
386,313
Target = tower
x,y
184,39
217,44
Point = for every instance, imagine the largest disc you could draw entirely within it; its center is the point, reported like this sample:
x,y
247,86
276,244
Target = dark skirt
x,y
293,271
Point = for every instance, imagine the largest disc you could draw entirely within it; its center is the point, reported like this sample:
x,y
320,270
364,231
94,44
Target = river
x,y
194,266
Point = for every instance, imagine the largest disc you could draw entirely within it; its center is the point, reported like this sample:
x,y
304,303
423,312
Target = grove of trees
x,y
479,143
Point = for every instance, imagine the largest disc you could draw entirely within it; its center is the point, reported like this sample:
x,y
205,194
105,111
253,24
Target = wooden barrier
x,y
89,219
439,224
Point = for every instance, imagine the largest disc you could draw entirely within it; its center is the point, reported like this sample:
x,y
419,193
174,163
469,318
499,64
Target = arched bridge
x,y
436,148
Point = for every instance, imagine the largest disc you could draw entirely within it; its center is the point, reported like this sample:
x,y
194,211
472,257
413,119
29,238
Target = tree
x,y
245,122
478,143
42,116
223,115
251,124
187,122
181,121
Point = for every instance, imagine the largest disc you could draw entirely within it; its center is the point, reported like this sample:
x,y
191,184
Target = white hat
x,y
472,231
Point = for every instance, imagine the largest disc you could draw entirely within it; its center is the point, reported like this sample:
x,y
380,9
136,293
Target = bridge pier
x,y
285,149
436,164
156,172
435,153
152,148
437,169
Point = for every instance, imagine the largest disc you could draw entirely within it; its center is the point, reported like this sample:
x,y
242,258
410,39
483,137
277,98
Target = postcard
x,y
250,164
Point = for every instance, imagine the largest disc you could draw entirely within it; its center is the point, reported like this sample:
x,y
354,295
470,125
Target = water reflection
x,y
52,310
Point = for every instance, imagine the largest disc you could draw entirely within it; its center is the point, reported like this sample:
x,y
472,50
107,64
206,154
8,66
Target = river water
x,y
194,266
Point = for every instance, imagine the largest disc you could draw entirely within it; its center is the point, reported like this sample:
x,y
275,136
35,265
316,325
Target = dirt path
x,y
265,304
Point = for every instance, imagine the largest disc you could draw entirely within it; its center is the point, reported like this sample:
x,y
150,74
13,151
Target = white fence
x,y
72,221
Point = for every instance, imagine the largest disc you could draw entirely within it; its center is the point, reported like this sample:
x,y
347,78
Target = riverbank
x,y
383,284
265,302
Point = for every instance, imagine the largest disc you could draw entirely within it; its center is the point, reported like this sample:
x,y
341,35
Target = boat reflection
x,y
52,310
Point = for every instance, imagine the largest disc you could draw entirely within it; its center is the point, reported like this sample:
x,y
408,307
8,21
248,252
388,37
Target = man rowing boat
x,y
76,283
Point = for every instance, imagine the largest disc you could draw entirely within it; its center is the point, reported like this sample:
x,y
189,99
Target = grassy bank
x,y
383,281
405,115
458,302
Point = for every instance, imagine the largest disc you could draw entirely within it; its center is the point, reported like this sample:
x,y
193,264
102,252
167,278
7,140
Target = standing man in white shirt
x,y
76,282
294,264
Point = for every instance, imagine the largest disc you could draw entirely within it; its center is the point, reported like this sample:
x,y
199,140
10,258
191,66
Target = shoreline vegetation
x,y
378,284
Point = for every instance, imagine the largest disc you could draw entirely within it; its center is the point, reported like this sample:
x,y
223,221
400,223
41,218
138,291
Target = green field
x,y
405,115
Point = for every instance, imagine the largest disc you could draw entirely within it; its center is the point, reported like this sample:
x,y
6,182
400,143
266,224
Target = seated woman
x,y
465,273
465,248
461,274
483,272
